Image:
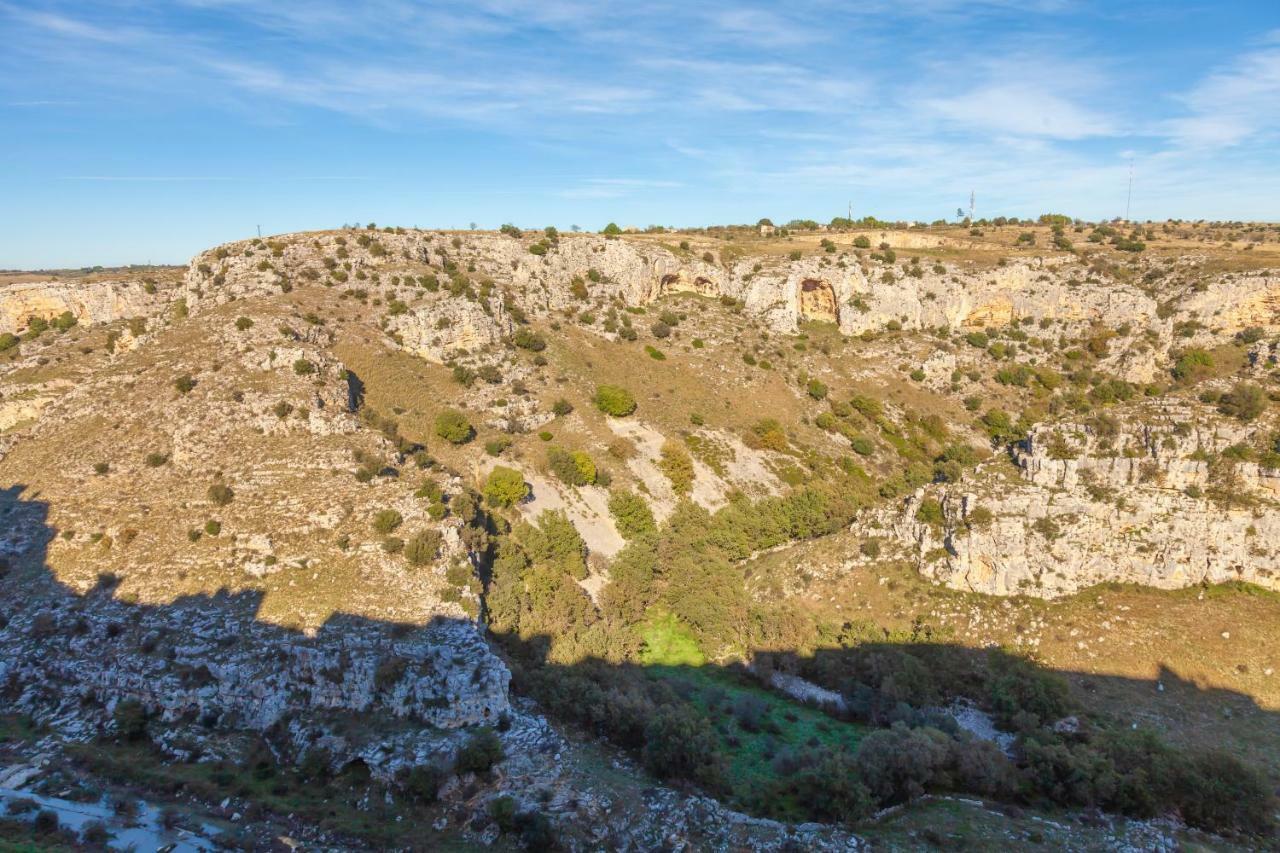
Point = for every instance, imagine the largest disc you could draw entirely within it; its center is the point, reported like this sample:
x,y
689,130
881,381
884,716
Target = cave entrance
x,y
818,301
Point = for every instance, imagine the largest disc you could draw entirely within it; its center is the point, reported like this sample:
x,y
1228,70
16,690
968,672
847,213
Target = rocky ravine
x,y
1149,500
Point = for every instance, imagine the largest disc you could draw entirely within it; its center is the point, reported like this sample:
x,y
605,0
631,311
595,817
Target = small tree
x,y
614,400
505,486
452,426
612,229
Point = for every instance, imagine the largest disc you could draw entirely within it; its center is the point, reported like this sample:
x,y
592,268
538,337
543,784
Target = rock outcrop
x,y
90,303
1152,500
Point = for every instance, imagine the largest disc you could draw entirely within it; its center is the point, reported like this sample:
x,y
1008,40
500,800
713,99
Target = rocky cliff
x,y
1165,497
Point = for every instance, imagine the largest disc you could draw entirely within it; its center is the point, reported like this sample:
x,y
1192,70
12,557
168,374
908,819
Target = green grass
x,y
785,725
668,643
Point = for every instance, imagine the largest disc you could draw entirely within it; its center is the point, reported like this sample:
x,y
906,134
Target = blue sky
x,y
135,131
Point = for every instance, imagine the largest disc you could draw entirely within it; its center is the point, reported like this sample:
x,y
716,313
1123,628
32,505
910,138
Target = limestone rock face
x,y
1134,502
210,659
573,272
447,326
90,303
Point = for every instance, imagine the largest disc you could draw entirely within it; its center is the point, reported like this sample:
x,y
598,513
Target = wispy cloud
x,y
1234,103
147,178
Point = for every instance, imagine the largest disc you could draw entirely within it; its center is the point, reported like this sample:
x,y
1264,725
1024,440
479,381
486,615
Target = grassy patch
x,y
759,731
668,643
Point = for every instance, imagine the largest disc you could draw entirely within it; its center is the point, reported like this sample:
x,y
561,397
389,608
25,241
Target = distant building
x,y
767,230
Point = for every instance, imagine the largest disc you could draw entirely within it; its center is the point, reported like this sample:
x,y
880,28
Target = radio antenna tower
x,y
1129,197
971,200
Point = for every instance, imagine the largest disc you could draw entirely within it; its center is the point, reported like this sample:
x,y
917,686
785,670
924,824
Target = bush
x,y
678,466
631,514
155,460
526,338
422,782
1218,792
861,242
817,390
220,494
1245,401
900,764
1018,687
244,324
184,383
213,527
562,407
482,750
303,367
660,330
101,468
679,743
574,468
131,720
452,426
387,520
423,547
830,789
497,446
614,400
8,341
1192,364
505,486
930,512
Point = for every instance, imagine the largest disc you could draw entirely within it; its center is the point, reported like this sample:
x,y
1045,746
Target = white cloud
x,y
1021,110
1233,104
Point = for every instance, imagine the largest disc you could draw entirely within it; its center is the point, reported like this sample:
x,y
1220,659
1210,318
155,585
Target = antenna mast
x,y
1129,197
971,200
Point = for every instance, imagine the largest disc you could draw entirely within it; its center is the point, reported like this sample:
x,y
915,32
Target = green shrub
x,y
155,460
562,407
1191,364
526,338
387,520
303,367
482,750
575,468
423,547
497,446
679,743
631,514
1244,401
8,341
220,494
862,242
184,383
101,468
452,426
817,390
244,324
676,463
614,400
130,718
505,486
212,527
930,512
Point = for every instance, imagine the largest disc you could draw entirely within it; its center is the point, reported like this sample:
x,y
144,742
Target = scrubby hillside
x,y
719,505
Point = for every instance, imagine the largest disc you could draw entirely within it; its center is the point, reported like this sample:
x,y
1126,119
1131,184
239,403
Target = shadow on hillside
x,y
868,683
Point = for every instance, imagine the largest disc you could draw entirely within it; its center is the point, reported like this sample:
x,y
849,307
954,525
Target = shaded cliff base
x,y
352,776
